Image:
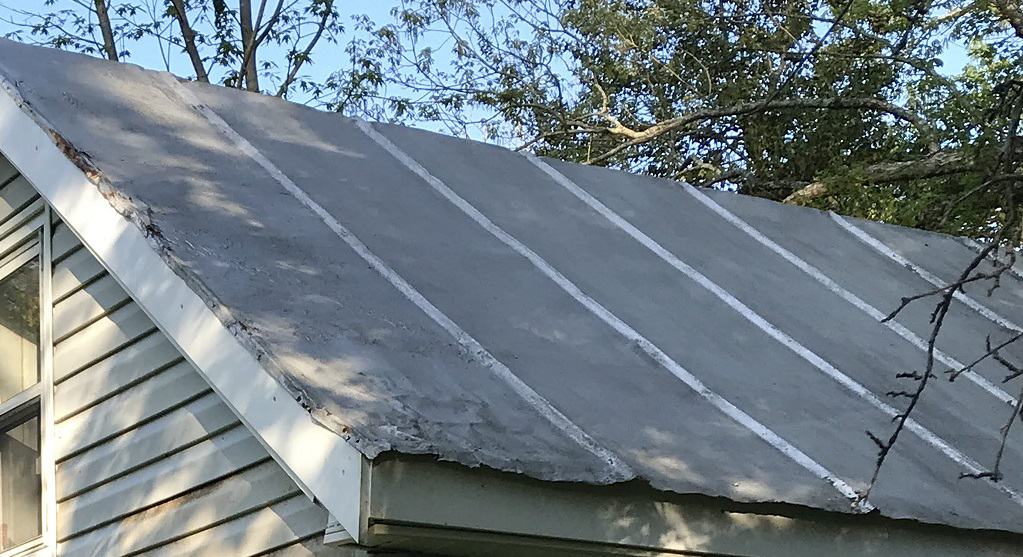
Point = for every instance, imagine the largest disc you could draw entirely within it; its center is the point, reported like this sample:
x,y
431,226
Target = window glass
x,y
19,330
20,483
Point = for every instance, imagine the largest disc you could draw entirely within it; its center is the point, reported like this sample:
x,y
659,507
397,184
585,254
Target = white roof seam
x,y
619,470
745,311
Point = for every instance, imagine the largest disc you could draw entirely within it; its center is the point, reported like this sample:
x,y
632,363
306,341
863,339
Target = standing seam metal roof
x,y
429,295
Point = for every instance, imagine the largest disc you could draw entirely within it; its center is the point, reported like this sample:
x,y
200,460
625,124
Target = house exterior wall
x,y
442,508
149,459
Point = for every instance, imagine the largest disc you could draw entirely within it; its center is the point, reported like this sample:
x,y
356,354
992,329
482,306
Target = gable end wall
x,y
149,459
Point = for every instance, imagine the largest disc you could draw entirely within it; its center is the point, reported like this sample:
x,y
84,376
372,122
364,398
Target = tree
x,y
837,105
260,46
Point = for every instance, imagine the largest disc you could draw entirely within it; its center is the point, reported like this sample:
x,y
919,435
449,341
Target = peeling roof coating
x,y
430,295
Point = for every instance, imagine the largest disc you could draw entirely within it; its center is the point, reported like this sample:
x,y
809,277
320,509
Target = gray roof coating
x,y
783,349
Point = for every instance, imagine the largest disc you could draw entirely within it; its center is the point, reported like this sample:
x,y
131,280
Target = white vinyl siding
x,y
149,460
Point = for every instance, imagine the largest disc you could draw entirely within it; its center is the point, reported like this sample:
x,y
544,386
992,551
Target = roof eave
x,y
420,504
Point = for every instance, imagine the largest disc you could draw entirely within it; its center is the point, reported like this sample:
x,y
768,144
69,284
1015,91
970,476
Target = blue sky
x,y
148,54
327,57
954,59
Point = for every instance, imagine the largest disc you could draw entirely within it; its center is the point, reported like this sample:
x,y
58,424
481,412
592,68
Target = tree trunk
x,y
189,37
1012,11
248,46
103,14
299,59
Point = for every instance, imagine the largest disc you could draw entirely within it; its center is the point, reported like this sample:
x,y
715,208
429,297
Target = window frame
x,y
25,236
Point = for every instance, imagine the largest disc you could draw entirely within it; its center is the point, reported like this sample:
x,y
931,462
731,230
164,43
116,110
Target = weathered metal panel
x,y
264,229
859,346
661,302
965,330
882,283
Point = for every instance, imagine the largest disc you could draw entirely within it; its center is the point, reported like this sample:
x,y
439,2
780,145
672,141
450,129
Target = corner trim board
x,y
286,430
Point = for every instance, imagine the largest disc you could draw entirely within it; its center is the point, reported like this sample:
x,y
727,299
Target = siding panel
x,y
110,376
151,461
64,242
161,481
7,171
150,399
161,438
86,306
77,269
14,197
17,230
99,340
236,496
270,528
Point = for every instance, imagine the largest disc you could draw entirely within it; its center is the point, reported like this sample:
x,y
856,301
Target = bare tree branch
x,y
953,374
995,473
298,60
922,378
638,137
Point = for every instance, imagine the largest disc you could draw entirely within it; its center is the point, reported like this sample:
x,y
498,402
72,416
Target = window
x,y
19,329
22,428
20,480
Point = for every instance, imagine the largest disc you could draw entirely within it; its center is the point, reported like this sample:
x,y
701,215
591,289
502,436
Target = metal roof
x,y
424,294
